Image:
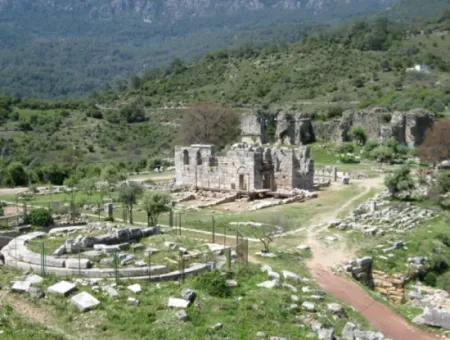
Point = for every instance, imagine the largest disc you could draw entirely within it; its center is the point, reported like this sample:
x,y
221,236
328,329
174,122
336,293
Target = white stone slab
x,y
62,288
34,280
178,303
21,286
84,301
136,288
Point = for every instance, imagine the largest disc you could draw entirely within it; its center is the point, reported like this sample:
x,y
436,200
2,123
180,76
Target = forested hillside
x,y
70,48
357,66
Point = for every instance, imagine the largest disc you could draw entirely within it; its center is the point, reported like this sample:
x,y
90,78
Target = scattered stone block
x,y
217,326
178,303
182,315
268,284
78,263
36,292
84,301
308,306
132,301
326,334
290,276
188,294
290,287
231,283
21,286
111,292
136,288
334,308
62,288
61,250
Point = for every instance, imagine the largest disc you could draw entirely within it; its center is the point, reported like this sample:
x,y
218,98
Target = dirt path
x,y
381,317
325,257
35,314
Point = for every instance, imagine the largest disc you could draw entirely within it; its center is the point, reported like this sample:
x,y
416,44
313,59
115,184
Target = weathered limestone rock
x,y
84,301
434,317
62,288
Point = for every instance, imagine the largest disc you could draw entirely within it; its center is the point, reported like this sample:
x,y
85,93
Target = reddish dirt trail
x,y
379,316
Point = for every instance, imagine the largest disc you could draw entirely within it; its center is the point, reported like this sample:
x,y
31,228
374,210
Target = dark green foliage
x,y
17,174
213,283
430,279
154,204
400,181
346,148
358,135
40,217
444,281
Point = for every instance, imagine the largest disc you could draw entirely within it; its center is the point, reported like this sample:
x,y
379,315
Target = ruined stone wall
x,y
379,124
244,168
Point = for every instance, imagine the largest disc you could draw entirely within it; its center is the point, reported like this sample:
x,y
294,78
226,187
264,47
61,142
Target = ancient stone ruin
x,y
379,124
244,168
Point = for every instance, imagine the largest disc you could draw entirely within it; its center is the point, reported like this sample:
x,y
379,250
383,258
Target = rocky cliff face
x,y
155,10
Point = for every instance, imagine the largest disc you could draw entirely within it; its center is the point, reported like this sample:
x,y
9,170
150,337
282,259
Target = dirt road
x,y
325,257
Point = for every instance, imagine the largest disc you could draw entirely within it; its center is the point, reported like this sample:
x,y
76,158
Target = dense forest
x,y
51,49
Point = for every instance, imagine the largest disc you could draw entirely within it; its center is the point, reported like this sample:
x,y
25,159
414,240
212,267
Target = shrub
x,y
2,213
382,154
40,217
430,279
346,148
358,135
399,181
443,282
370,145
348,158
214,283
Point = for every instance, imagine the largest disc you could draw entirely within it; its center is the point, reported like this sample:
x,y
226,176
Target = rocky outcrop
x,y
379,124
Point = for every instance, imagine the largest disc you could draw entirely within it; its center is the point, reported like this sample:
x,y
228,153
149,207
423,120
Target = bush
x,y
40,217
348,158
399,181
382,154
430,279
214,283
358,135
443,282
2,213
346,148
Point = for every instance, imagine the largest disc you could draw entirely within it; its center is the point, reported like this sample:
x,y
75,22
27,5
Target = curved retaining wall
x,y
16,254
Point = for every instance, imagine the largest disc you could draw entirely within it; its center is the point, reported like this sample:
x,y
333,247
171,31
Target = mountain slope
x,y
56,48
362,65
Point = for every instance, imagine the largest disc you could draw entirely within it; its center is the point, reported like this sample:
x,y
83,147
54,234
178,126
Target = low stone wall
x,y
391,287
16,254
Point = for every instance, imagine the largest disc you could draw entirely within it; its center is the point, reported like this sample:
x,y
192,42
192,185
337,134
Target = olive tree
x,y
154,204
129,192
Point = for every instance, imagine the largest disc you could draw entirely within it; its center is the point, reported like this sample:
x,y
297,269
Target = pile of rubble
x,y
378,216
296,195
